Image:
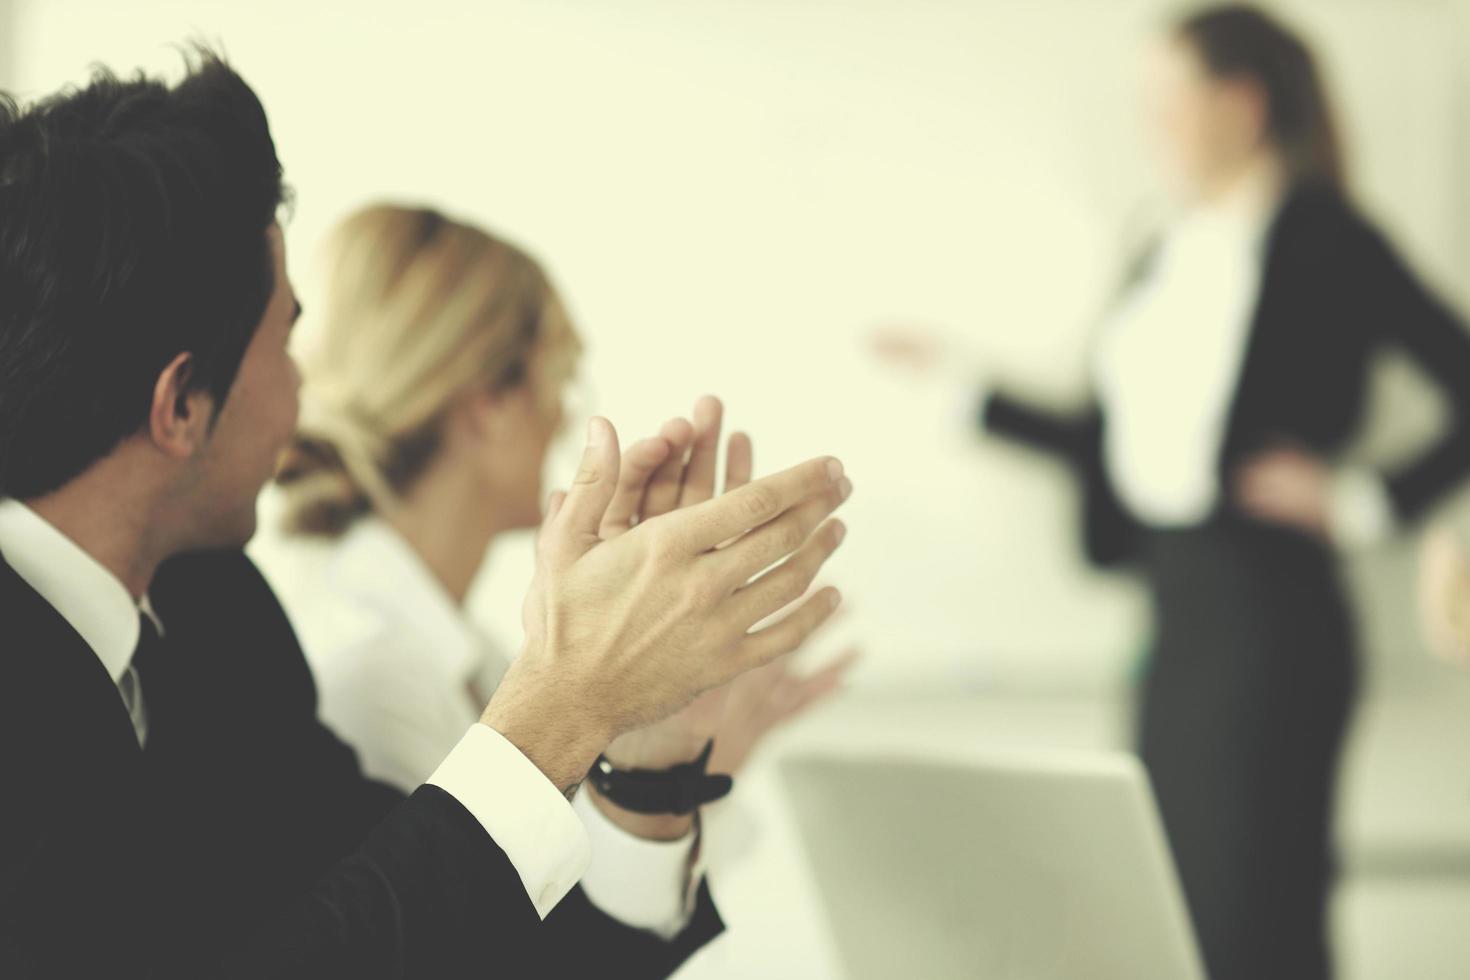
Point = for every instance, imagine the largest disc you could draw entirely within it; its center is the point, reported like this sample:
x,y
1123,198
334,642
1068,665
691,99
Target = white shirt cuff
x,y
1360,512
964,398
524,814
646,884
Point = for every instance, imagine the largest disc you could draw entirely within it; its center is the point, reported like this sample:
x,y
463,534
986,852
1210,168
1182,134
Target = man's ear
x,y
179,418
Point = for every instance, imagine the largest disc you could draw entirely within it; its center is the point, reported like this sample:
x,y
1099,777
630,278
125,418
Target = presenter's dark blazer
x,y
1333,292
245,841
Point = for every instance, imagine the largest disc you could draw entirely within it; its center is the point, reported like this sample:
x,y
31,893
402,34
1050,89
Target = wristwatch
x,y
679,789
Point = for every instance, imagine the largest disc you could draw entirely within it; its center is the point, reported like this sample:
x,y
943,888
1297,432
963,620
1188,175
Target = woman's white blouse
x,y
396,662
1169,361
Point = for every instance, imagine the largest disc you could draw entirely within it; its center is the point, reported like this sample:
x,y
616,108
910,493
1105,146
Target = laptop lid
x,y
1024,867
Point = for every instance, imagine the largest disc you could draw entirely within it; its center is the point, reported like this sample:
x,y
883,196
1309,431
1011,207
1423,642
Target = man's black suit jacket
x,y
245,841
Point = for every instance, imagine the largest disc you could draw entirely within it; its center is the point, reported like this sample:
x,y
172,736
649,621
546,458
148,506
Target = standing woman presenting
x,y
1228,375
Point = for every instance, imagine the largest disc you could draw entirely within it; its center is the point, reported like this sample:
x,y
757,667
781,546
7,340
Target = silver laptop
x,y
1025,867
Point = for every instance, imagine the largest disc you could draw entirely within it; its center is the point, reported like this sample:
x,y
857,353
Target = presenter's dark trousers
x,y
1244,709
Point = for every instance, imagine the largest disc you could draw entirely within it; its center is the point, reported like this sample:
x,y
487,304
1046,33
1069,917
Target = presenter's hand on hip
x,y
624,632
1286,486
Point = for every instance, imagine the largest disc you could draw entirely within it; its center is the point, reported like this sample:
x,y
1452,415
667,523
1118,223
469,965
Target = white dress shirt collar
x,y
375,563
87,595
1245,212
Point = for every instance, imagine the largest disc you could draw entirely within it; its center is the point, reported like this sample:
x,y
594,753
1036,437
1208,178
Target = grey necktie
x,y
131,684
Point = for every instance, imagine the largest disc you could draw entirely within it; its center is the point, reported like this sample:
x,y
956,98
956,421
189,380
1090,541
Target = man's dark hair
x,y
133,220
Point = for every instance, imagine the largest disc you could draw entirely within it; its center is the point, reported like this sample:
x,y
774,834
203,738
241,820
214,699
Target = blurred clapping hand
x,y
766,698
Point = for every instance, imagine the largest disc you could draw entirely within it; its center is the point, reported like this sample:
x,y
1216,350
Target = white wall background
x,y
733,193
7,37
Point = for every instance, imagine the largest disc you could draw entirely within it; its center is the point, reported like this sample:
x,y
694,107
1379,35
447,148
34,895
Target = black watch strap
x,y
679,789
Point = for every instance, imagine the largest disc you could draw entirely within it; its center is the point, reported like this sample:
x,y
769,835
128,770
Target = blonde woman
x,y
431,396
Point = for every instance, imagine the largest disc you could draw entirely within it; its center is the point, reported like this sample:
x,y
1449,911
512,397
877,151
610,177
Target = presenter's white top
x,y
1169,363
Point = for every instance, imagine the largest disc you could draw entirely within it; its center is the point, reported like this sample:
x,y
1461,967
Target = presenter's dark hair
x,y
133,221
1243,42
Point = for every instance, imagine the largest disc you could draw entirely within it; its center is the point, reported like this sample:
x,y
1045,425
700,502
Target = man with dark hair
x,y
133,219
172,806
